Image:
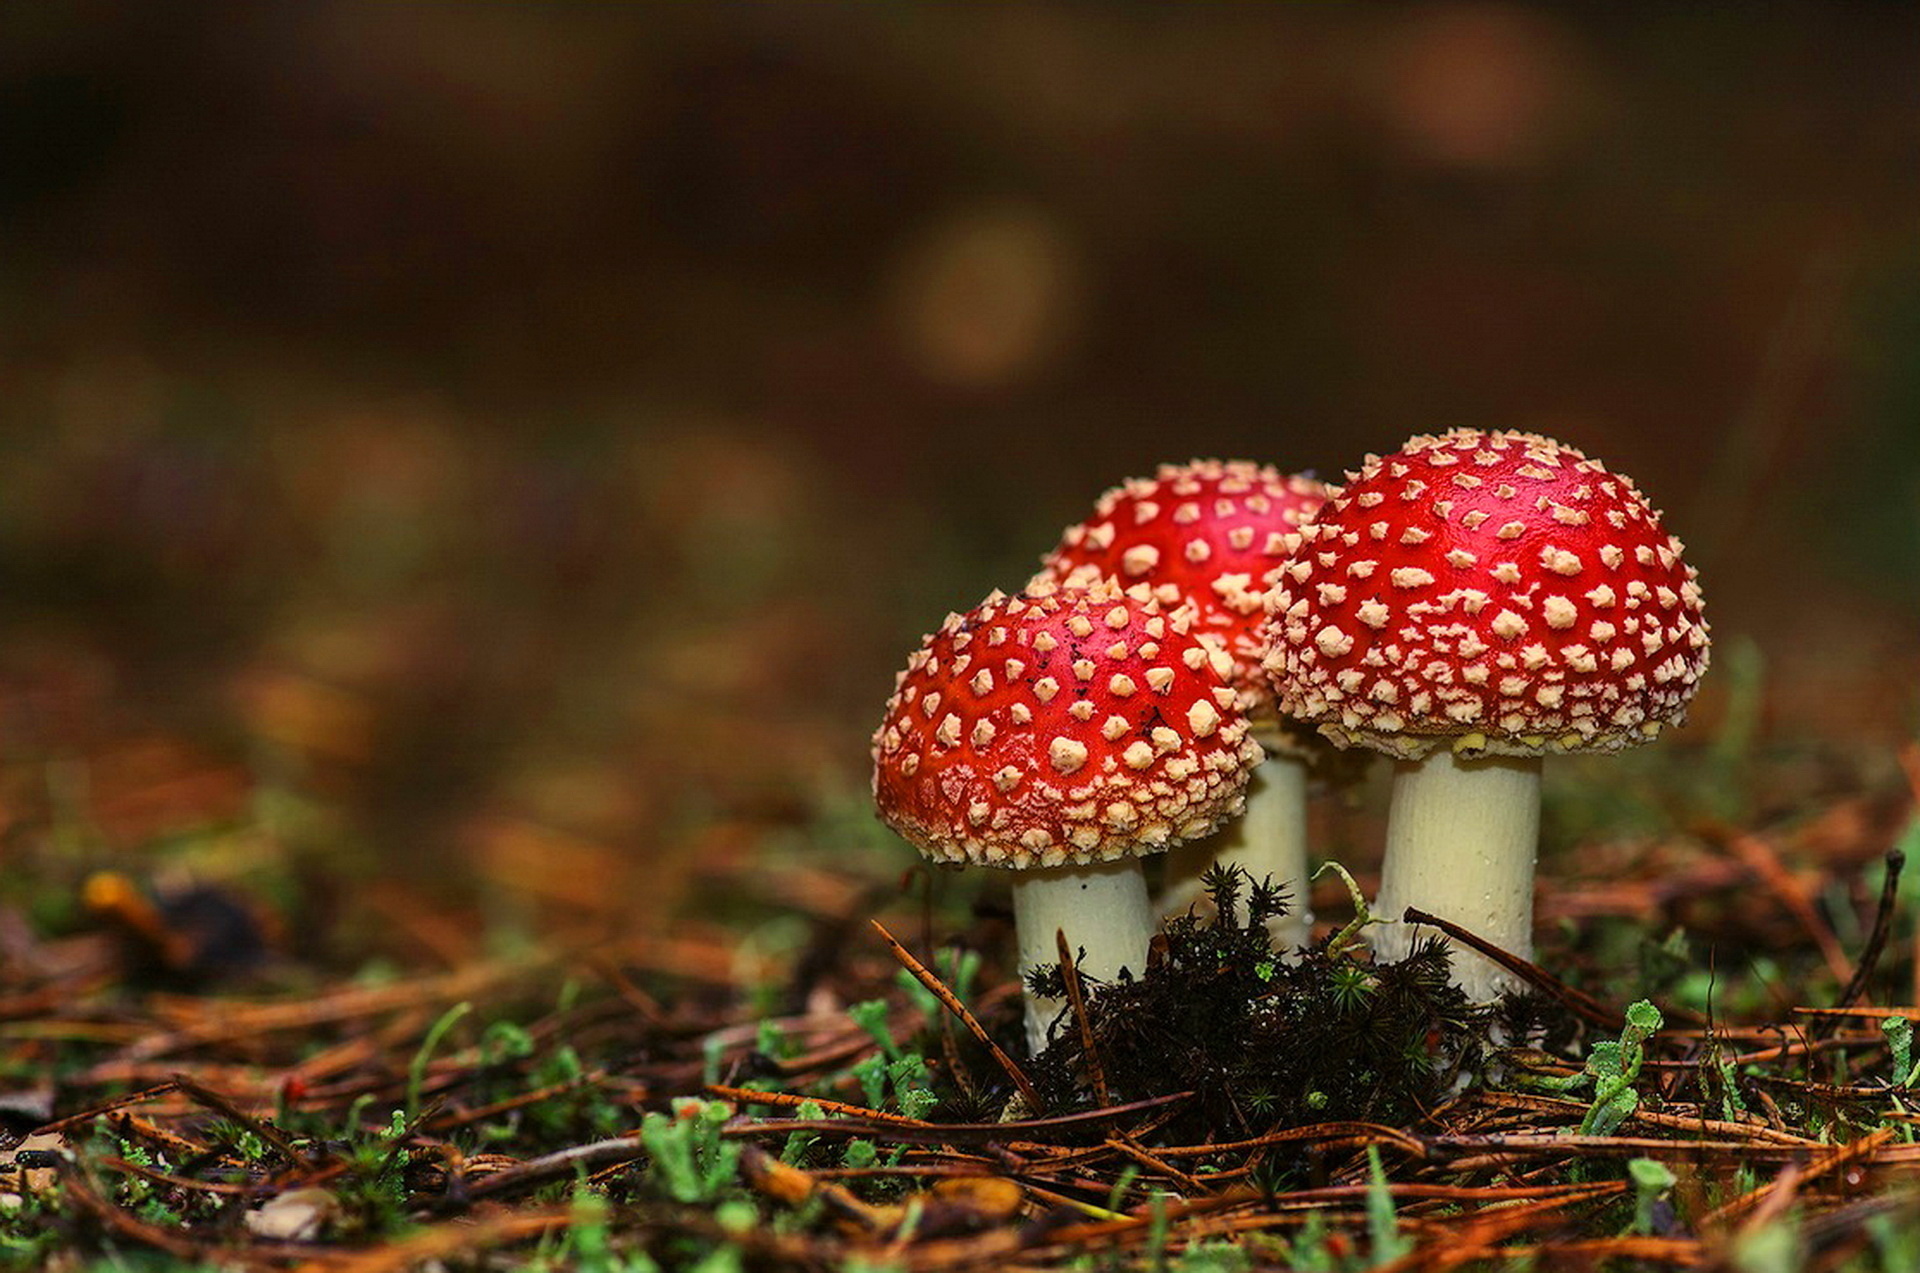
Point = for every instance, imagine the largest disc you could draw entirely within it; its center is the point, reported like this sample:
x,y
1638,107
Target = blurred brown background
x,y
539,432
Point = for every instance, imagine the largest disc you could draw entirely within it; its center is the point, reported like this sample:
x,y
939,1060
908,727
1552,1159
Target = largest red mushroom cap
x,y
1064,725
1498,591
1208,533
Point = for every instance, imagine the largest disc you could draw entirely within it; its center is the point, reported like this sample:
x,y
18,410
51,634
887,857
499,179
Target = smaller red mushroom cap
x,y
1065,725
1499,592
1208,533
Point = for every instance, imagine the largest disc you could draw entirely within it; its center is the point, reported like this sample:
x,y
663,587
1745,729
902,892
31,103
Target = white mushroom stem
x,y
1462,836
1102,909
1270,839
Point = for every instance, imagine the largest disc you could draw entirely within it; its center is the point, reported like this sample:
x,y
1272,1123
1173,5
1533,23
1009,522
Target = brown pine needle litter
x,y
629,1103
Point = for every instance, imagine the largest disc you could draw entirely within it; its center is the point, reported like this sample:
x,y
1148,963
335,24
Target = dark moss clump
x,y
1265,1043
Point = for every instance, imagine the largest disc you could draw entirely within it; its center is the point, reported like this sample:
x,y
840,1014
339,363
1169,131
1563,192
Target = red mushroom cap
x,y
1208,533
1498,591
1064,725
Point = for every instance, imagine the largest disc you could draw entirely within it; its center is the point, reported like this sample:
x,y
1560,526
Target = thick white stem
x,y
1269,839
1102,909
1462,836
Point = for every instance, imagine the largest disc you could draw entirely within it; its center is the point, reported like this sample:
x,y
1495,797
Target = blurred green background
x,y
534,435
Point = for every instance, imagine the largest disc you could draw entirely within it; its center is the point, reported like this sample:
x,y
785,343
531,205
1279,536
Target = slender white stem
x,y
1462,836
1102,909
1269,839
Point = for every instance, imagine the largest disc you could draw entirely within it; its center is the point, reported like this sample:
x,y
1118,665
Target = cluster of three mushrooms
x,y
1468,605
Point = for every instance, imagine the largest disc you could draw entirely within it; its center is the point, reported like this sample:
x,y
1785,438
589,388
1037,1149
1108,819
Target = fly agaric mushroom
x,y
1209,534
1469,605
1060,735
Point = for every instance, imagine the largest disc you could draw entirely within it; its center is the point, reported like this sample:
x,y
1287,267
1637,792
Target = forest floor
x,y
821,1067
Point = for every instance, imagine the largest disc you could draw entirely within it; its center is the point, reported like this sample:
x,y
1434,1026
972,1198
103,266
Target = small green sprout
x,y
963,969
1775,1247
1614,1065
871,1016
417,1072
1362,916
1383,1223
1650,1180
588,1245
1309,1251
799,1143
892,1069
504,1041
1899,1033
1157,1225
690,1159
1352,987
1213,1257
